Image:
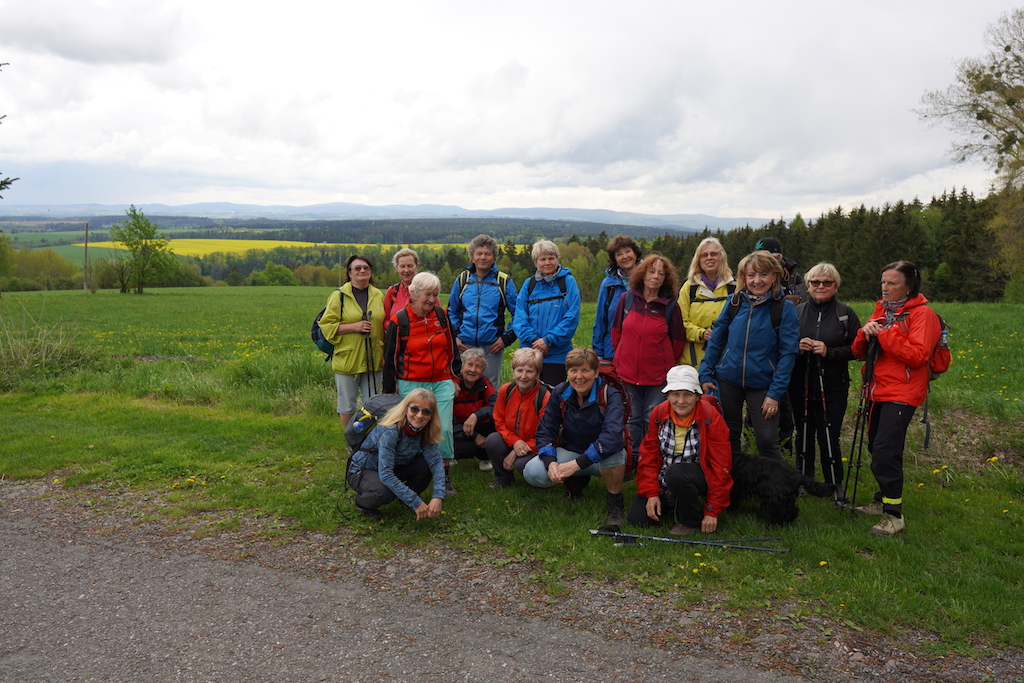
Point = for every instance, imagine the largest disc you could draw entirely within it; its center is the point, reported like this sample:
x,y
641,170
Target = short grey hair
x,y
424,282
401,253
821,270
483,241
528,356
473,353
544,248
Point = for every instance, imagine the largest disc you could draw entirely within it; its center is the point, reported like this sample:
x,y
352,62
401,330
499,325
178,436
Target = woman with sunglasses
x,y
354,322
820,383
399,458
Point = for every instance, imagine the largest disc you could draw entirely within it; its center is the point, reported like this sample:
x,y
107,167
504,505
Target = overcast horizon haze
x,y
735,109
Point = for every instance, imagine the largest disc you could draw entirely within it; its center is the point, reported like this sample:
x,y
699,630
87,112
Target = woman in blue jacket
x,y
751,353
580,435
548,311
399,458
623,257
477,306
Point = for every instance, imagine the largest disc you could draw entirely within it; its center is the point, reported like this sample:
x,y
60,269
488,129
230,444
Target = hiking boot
x,y
369,513
874,508
497,485
888,526
449,490
485,465
681,530
616,513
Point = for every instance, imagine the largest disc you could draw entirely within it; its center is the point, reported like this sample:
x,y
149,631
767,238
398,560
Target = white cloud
x,y
741,108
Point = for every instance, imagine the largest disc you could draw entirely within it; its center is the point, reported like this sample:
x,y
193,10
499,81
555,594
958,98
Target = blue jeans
x,y
536,472
642,400
444,394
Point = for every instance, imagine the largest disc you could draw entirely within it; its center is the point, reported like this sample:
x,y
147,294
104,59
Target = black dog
x,y
774,483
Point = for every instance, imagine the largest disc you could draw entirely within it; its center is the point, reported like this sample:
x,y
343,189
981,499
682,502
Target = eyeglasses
x,y
416,410
821,283
361,268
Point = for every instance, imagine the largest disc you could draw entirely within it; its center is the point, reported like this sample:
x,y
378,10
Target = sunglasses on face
x,y
361,268
416,410
821,283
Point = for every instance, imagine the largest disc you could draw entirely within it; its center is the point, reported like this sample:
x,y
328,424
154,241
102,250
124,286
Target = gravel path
x,y
90,592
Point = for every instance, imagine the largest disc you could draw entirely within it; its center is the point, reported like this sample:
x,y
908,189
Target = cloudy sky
x,y
758,109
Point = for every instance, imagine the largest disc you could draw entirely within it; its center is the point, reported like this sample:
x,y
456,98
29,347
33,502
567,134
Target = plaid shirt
x,y
667,443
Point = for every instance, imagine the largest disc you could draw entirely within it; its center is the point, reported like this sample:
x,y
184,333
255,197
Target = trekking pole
x,y
828,432
371,378
801,456
863,419
727,543
925,421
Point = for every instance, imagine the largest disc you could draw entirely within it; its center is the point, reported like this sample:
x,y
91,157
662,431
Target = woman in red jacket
x,y
684,456
516,414
648,337
896,345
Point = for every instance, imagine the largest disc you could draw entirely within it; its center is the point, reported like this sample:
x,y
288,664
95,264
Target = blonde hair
x,y
824,269
401,253
762,261
397,415
724,271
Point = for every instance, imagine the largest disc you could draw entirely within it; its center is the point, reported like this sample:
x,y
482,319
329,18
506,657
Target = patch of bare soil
x,y
785,640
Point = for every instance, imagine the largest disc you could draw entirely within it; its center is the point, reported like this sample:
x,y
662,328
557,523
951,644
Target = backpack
x,y
500,284
729,289
532,283
538,399
734,307
941,357
363,422
628,304
317,334
606,371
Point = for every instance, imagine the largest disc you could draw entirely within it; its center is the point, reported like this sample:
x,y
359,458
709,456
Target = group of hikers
x,y
661,391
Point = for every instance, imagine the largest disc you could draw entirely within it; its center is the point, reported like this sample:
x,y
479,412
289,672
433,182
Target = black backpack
x,y
500,284
532,283
734,306
363,422
317,334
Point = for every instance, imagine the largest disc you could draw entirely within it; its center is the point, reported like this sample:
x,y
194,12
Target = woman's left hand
x,y
769,408
567,469
469,426
541,346
709,524
498,346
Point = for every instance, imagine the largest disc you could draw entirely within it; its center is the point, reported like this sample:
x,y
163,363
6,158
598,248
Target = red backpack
x,y
606,371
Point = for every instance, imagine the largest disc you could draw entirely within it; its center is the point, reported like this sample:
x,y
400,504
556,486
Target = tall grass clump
x,y
33,350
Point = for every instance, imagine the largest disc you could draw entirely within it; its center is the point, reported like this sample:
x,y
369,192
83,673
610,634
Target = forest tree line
x,y
949,239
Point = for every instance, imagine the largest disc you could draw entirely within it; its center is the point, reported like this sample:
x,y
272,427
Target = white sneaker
x,y
888,526
485,465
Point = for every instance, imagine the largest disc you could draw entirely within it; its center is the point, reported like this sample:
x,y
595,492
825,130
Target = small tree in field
x,y
150,252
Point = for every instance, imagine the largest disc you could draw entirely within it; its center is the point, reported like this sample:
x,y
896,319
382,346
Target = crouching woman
x,y
580,436
399,458
684,457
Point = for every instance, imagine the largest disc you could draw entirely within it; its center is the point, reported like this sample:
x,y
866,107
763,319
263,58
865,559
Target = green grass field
x,y
215,399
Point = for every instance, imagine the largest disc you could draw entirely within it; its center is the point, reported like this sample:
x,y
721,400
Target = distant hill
x,y
227,213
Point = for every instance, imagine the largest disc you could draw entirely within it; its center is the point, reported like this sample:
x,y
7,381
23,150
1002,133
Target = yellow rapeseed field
x,y
200,247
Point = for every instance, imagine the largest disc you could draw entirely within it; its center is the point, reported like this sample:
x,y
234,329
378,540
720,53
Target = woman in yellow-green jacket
x,y
709,283
354,323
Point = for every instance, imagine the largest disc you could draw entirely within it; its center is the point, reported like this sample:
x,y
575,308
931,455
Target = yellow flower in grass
x,y
920,486
823,563
994,458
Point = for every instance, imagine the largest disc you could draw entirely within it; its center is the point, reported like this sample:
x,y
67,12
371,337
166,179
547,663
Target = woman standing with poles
x,y
820,383
354,322
897,343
